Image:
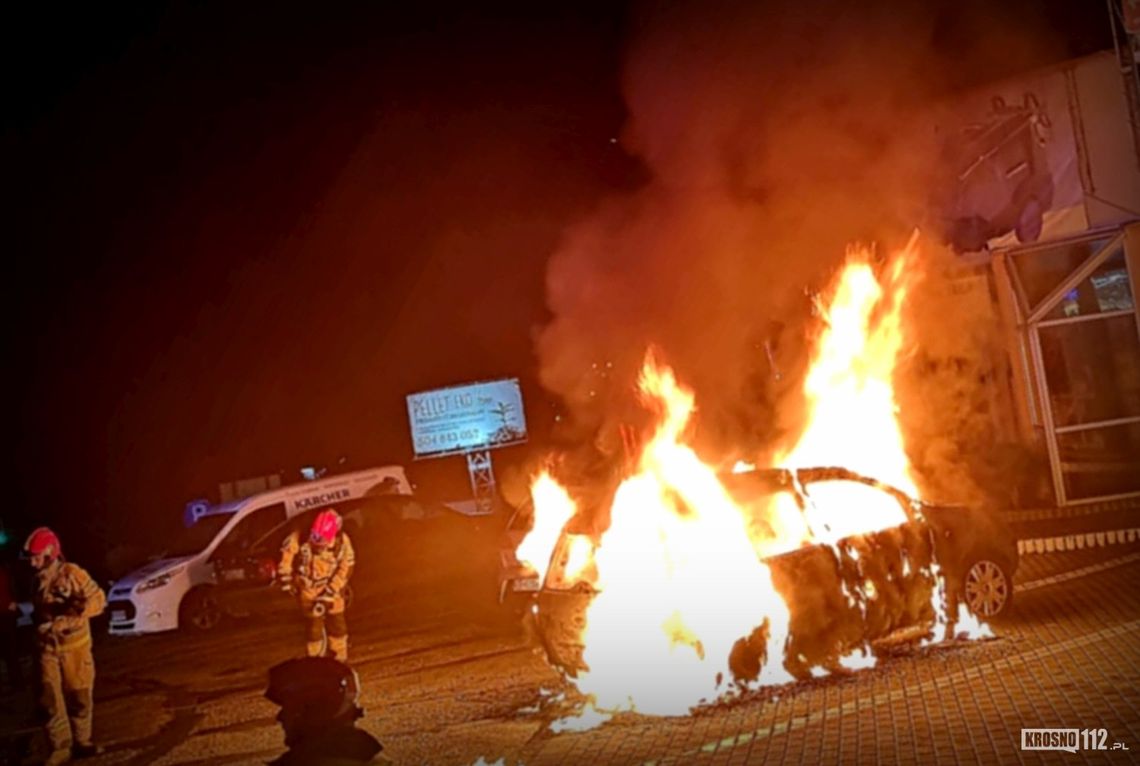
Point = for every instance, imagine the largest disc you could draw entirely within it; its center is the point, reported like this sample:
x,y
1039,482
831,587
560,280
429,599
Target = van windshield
x,y
197,537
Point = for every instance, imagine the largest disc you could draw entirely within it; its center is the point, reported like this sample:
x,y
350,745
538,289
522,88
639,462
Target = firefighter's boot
x,y
338,646
57,757
315,641
86,751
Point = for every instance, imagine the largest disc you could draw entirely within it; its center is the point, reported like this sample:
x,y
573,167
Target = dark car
x,y
247,578
825,586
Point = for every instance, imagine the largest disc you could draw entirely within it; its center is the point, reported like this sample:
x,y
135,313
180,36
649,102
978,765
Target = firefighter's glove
x,y
47,633
327,596
286,587
63,624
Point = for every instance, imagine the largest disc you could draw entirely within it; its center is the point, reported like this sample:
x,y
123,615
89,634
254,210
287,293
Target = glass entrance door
x,y
1084,336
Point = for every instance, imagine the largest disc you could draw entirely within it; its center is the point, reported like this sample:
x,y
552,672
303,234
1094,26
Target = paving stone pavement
x,y
445,688
1069,657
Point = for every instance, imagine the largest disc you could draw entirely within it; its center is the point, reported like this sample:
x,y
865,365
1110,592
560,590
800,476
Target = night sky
x,y
240,233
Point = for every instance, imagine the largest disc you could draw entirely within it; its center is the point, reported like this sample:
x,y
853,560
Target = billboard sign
x,y
1011,167
1043,156
466,418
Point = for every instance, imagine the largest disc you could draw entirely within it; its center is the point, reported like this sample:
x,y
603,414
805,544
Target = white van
x,y
176,589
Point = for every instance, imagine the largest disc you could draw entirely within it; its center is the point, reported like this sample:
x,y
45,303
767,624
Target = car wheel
x,y
200,610
988,588
969,235
1030,221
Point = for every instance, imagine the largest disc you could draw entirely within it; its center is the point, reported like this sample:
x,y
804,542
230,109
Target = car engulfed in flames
x,y
689,582
846,601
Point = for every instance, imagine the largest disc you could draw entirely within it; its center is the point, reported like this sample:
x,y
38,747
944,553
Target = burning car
x,y
518,581
688,582
857,590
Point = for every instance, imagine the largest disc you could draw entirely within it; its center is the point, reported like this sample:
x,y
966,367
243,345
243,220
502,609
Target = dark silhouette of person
x,y
317,696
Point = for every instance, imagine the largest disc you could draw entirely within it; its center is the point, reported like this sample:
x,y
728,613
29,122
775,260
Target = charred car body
x,y
860,590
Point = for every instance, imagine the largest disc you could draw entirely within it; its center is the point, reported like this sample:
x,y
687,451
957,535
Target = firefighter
x,y
65,600
317,572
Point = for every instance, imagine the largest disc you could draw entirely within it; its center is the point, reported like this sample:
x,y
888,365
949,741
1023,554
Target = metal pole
x,y
1013,334
482,476
1047,416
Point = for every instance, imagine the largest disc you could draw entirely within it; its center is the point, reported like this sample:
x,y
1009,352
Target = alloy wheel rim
x,y
986,588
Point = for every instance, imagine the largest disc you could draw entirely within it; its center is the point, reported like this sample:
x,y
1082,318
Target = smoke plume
x,y
772,139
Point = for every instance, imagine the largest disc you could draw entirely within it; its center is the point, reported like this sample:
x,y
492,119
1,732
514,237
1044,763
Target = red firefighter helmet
x,y
326,526
44,543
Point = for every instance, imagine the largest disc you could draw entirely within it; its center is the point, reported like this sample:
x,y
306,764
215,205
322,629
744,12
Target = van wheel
x,y
199,610
988,588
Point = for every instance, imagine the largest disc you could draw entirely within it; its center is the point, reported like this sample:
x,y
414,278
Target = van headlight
x,y
157,581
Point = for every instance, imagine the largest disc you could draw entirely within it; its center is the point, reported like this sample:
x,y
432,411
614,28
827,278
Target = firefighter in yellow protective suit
x,y
65,600
317,572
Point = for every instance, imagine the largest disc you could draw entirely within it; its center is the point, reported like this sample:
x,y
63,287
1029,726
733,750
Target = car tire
x,y
987,588
199,610
969,235
1030,221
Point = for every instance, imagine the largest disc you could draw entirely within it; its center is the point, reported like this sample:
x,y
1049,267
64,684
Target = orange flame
x,y
679,575
659,632
552,509
853,416
849,386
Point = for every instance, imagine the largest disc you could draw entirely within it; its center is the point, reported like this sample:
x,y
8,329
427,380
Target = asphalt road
x,y
447,678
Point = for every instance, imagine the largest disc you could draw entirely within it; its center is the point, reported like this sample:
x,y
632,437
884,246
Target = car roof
x,y
372,476
806,475
764,480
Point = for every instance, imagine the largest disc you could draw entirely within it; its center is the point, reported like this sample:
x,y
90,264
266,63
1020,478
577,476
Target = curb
x,y
1072,511
1078,541
1074,574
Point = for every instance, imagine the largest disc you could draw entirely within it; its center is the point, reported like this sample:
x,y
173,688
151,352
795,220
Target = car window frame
x,y
225,549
